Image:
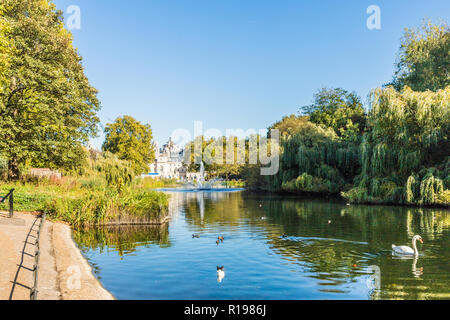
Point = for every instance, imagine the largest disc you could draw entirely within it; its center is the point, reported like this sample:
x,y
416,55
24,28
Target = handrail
x,y
34,289
10,195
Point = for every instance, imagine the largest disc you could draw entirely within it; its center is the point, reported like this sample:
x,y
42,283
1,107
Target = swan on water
x,y
405,250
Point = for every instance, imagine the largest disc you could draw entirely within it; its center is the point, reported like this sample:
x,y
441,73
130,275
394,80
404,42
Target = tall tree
x,y
48,108
337,109
289,125
130,140
405,154
424,59
6,49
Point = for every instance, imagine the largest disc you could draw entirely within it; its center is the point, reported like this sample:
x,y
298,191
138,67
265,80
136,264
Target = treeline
x,y
397,151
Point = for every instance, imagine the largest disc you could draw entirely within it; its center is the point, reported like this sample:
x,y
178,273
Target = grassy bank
x,y
105,192
77,204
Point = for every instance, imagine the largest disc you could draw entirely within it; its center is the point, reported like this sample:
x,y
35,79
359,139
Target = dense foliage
x,y
338,109
132,141
47,114
398,153
5,49
424,60
105,192
405,153
47,106
313,160
289,124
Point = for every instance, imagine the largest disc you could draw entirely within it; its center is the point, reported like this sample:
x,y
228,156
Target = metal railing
x,y
9,196
34,289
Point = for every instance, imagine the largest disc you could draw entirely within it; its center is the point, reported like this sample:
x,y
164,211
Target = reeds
x,y
105,193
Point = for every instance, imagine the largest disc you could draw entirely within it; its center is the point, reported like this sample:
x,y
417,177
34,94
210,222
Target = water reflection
x,y
417,272
122,239
337,254
374,282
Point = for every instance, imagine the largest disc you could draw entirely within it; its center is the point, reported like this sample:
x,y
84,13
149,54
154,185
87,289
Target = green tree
x,y
5,49
289,125
338,109
405,154
48,108
423,59
315,160
130,140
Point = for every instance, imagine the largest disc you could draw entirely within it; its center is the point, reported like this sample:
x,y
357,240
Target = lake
x,y
274,247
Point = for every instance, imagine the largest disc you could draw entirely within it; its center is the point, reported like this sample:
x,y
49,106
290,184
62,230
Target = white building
x,y
169,164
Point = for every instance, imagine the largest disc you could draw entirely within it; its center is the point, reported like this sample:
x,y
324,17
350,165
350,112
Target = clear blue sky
x,y
235,63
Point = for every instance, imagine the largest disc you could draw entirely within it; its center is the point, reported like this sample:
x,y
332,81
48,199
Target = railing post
x,y
37,255
11,204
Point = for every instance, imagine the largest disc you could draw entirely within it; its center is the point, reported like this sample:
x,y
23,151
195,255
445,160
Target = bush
x,y
306,183
3,167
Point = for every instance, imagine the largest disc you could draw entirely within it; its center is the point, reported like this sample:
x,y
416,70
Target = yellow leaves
x,y
393,109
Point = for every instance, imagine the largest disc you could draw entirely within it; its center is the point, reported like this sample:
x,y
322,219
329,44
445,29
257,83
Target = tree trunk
x,y
13,169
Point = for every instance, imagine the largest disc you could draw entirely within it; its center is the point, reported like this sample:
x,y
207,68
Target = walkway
x,y
63,272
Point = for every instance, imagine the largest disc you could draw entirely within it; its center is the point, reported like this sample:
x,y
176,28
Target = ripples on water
x,y
274,248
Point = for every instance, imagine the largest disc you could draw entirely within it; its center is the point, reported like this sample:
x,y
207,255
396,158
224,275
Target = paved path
x,y
63,272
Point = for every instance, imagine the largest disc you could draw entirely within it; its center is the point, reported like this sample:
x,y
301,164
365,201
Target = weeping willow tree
x,y
315,160
405,153
117,173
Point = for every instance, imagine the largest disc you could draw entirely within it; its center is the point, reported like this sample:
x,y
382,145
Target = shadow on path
x,y
24,253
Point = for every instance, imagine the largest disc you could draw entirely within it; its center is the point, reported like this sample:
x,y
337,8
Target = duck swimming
x,y
220,273
195,236
220,238
405,250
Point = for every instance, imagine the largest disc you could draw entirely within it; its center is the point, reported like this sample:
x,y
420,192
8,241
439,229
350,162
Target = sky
x,y
234,64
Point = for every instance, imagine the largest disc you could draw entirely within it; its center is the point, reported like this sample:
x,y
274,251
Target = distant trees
x,y
214,153
130,140
47,105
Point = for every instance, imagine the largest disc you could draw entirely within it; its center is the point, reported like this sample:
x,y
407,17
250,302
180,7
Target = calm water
x,y
329,251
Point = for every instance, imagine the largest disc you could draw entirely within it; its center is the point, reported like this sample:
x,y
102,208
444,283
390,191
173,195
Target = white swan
x,y
405,250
